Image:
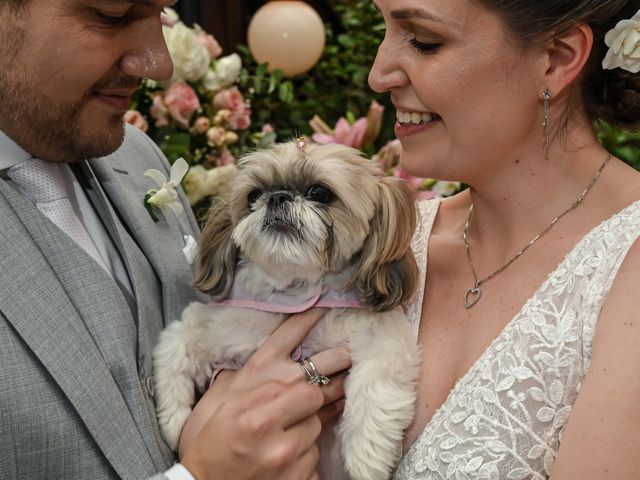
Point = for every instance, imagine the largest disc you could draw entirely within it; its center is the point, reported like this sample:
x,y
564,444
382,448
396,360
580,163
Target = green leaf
x,y
175,144
258,80
274,80
150,207
285,92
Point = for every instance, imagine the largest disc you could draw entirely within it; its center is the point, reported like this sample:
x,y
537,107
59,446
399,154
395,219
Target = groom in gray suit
x,y
88,279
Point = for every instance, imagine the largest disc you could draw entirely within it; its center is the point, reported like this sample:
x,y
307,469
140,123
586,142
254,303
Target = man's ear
x,y
567,55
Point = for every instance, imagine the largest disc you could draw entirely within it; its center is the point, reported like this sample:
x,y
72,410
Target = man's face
x,y
68,69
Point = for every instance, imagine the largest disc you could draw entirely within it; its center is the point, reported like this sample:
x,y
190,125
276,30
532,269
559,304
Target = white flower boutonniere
x,y
166,196
624,46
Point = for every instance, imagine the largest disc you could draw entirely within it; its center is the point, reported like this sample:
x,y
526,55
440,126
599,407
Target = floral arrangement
x,y
200,114
204,115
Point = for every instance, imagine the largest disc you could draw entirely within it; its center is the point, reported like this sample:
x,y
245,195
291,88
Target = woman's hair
x,y
609,95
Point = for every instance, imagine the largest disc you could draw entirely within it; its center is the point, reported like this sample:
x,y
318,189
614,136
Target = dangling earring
x,y
546,96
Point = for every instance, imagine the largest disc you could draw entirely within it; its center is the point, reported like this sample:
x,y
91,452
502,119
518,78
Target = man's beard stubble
x,y
50,131
40,126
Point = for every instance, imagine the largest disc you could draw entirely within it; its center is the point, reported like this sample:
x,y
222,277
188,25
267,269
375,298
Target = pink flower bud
x,y
215,136
135,118
201,125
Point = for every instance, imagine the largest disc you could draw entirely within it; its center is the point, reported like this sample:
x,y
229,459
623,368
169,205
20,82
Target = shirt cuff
x,y
179,472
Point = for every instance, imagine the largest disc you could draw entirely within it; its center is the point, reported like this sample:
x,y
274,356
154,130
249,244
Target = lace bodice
x,y
504,418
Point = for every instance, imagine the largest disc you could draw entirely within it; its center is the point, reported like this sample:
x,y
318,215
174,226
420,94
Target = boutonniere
x,y
165,197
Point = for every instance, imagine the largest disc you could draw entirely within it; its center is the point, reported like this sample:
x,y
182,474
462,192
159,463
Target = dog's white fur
x,y
365,224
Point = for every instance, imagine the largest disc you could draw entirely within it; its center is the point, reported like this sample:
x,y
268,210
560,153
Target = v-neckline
x,y
462,380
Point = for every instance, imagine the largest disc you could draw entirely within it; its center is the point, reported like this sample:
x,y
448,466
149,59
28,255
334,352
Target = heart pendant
x,y
473,295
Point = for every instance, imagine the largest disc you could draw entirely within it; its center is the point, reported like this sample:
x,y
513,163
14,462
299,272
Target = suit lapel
x,y
161,241
65,347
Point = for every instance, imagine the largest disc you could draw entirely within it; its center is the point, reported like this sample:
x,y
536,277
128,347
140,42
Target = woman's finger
x,y
331,361
335,389
288,336
331,410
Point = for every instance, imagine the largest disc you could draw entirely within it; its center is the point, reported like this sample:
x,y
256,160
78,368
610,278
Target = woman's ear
x,y
217,255
567,55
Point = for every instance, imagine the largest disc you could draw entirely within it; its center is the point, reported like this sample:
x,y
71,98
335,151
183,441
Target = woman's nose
x,y
386,73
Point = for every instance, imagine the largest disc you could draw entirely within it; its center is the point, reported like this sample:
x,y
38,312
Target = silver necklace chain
x,y
474,294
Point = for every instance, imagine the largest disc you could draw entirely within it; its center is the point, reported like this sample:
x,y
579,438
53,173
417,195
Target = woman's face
x,y
467,98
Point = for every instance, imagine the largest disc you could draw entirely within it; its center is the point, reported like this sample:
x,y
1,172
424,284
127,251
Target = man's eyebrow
x,y
409,13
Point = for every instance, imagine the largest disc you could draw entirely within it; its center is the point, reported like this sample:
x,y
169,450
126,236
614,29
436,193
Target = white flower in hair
x,y
624,46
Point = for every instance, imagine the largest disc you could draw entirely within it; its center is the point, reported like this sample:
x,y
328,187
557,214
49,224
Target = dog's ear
x,y
386,274
217,253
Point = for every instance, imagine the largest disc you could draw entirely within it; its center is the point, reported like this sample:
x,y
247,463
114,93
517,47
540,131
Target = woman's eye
x,y
425,48
253,196
320,194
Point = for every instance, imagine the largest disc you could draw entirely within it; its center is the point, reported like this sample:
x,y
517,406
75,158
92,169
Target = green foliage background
x,y
337,86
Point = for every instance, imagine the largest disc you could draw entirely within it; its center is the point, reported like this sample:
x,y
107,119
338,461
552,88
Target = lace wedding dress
x,y
505,417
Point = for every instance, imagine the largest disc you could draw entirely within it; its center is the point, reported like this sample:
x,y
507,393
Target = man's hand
x,y
262,420
266,433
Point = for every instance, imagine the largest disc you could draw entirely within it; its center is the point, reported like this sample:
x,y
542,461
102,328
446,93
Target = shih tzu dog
x,y
306,225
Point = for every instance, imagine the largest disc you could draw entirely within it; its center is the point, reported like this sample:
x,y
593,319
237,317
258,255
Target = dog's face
x,y
302,213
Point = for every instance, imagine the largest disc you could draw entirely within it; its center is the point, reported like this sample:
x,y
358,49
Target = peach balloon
x,y
288,35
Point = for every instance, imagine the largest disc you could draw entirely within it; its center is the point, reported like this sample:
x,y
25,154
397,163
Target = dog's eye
x,y
253,196
320,194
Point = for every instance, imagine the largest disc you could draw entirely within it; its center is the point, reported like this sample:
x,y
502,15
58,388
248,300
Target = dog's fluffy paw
x,y
171,426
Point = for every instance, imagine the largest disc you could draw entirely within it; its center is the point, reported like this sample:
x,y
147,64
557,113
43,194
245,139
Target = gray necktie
x,y
44,183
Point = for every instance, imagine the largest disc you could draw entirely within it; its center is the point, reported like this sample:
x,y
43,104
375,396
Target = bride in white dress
x,y
528,316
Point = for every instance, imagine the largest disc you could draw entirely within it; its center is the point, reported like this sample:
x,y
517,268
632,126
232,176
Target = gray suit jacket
x,y
76,399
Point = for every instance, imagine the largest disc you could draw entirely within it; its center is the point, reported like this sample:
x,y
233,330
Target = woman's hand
x,y
270,369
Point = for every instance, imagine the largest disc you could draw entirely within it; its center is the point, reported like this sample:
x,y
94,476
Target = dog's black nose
x,y
279,198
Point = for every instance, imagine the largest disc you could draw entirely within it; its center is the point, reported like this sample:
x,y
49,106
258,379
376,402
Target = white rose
x,y
624,46
190,58
224,73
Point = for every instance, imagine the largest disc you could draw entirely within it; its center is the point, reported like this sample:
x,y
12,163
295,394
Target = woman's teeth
x,y
415,118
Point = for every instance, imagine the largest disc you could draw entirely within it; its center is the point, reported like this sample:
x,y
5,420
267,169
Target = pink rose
x,y
181,101
240,114
240,119
135,118
267,128
159,111
230,99
210,43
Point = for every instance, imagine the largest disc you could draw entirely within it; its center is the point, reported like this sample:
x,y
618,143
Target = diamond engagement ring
x,y
310,371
